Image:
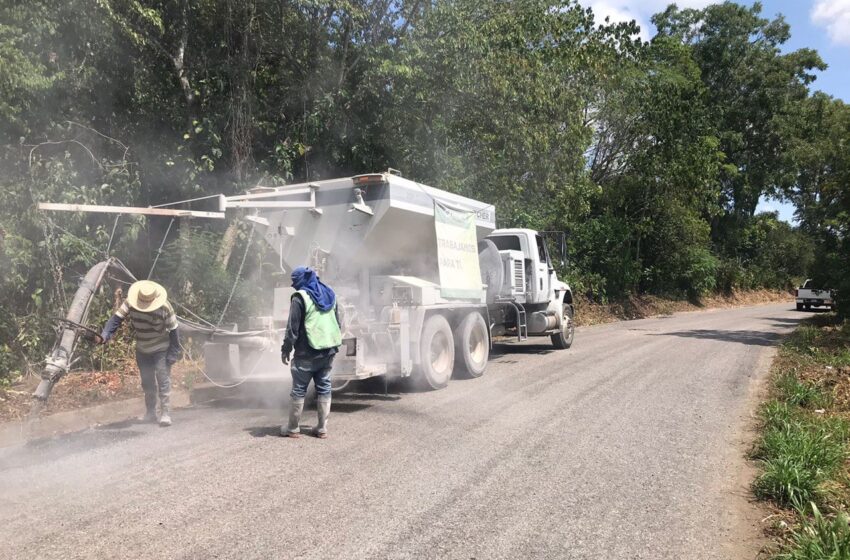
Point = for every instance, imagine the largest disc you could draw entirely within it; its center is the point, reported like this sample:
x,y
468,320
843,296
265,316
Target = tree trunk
x,y
178,60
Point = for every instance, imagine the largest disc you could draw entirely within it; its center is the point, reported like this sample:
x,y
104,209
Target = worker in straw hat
x,y
157,343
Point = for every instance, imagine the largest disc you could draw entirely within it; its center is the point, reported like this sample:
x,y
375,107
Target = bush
x,y
700,272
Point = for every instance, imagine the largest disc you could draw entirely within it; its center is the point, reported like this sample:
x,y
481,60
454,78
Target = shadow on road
x,y
785,320
264,431
274,431
121,424
53,448
346,407
500,350
749,338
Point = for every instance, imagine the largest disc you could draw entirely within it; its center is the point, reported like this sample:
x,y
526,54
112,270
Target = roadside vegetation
x,y
641,306
645,153
804,447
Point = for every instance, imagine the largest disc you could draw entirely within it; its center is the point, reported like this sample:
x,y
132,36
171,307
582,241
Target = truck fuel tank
x,y
542,321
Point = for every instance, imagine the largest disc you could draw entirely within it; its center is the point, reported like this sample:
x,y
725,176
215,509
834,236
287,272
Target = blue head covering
x,y
305,278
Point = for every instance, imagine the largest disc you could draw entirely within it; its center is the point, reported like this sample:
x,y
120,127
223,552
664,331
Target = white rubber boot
x,y
323,406
150,408
165,409
293,429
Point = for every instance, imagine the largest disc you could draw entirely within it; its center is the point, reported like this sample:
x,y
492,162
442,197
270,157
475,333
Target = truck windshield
x,y
506,242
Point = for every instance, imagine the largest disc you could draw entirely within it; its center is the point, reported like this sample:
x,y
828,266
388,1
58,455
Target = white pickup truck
x,y
808,296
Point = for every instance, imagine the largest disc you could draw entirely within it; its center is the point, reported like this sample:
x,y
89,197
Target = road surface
x,y
628,445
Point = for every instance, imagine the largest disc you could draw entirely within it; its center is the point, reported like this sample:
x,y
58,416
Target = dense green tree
x,y
657,161
651,155
821,189
751,86
488,99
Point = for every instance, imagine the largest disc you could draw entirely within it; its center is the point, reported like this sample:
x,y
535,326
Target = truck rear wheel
x,y
436,353
799,307
472,346
564,338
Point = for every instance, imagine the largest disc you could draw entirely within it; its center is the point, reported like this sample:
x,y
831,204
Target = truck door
x,y
543,278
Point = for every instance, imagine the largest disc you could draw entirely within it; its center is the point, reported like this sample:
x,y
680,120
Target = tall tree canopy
x,y
651,155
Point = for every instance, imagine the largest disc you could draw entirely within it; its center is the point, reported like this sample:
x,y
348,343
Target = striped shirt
x,y
151,327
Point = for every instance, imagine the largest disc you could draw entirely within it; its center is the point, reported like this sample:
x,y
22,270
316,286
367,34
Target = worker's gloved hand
x,y
172,355
284,353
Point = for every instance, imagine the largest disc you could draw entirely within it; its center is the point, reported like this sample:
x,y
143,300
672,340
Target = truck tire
x,y
808,307
492,274
564,338
799,307
472,346
436,353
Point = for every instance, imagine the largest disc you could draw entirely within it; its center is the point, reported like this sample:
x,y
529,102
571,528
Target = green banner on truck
x,y
457,251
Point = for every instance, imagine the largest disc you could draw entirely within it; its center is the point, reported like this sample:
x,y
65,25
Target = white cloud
x,y
639,10
834,15
617,12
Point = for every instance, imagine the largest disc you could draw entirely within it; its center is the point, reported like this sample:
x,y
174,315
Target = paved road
x,y
626,446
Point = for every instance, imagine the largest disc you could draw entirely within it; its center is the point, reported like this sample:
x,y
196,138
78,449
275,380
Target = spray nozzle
x,y
359,203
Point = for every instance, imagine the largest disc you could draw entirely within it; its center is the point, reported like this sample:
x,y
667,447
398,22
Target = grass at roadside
x,y
804,448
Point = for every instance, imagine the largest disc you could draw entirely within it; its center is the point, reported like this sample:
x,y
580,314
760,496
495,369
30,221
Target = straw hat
x,y
146,296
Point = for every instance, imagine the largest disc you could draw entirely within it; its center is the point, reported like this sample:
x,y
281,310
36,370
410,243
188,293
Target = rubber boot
x,y
150,408
323,406
165,410
293,428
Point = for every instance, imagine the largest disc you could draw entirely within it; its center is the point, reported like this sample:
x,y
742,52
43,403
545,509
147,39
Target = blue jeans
x,y
317,369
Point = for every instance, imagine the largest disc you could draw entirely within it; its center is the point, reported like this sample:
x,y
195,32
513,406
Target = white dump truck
x,y
424,279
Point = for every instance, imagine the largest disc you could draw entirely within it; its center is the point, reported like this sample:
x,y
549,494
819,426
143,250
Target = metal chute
x,y
71,329
61,357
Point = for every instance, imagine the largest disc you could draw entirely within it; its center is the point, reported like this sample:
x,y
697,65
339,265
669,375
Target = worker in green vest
x,y
313,332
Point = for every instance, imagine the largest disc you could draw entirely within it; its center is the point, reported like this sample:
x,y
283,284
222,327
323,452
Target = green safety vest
x,y
321,326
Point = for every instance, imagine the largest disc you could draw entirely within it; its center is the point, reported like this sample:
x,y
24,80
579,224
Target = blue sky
x,y
823,25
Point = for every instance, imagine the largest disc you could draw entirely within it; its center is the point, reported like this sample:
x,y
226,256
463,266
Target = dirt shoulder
x,y
80,389
645,306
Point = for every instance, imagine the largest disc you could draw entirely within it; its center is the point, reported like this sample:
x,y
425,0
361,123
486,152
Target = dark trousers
x,y
156,374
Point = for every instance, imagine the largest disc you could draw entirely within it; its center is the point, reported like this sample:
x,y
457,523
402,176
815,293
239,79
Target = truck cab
x,y
540,282
542,304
